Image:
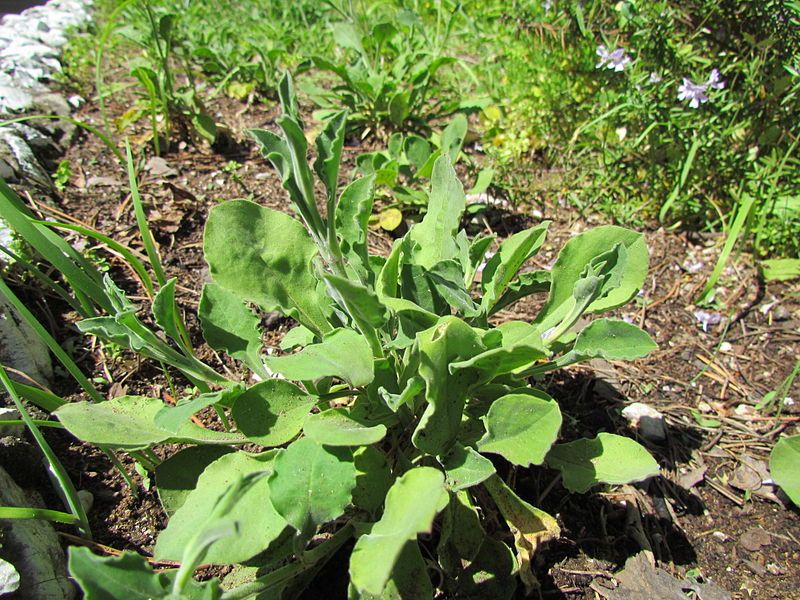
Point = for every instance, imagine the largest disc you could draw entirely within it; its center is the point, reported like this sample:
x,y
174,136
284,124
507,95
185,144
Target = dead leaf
x,y
688,480
754,539
640,580
102,182
158,167
530,527
180,193
750,474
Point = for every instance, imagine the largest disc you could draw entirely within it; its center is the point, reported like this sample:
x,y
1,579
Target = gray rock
x,y
7,171
10,414
21,348
9,578
32,546
38,141
29,166
14,99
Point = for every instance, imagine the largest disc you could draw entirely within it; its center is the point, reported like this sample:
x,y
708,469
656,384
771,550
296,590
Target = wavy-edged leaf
x,y
264,256
360,301
612,339
130,576
258,525
230,326
521,345
521,427
373,478
343,353
504,265
352,221
129,422
465,467
435,234
376,553
576,254
337,427
272,412
607,458
311,484
450,341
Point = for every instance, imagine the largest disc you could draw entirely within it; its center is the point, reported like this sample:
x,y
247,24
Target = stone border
x,y
32,561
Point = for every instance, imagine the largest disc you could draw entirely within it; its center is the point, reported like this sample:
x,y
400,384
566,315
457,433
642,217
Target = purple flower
x,y
714,80
616,59
693,92
707,318
655,77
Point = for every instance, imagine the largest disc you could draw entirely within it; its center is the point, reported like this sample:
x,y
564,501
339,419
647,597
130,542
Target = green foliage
x,y
623,138
396,387
783,465
388,71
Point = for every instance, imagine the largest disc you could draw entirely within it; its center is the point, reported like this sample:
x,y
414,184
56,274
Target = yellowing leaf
x,y
390,219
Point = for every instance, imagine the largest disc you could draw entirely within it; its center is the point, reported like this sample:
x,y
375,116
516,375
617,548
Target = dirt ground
x,y
712,515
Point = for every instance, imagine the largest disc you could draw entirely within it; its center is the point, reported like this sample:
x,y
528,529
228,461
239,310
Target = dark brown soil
x,y
703,522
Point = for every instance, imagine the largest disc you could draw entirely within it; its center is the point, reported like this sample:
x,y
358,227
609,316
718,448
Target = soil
x,y
692,517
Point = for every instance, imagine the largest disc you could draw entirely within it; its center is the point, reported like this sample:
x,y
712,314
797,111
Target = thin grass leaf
x,y
141,220
54,516
66,490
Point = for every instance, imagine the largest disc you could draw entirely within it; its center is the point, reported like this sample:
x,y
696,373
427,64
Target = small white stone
x,y
725,347
647,420
719,536
87,500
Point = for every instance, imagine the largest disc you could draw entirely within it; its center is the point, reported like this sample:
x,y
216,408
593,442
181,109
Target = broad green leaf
x,y
476,565
205,125
272,412
128,422
505,264
177,476
780,269
532,282
329,145
336,427
417,150
311,484
172,418
465,467
576,254
784,465
447,279
612,339
264,256
375,554
258,523
483,181
343,353
399,108
608,458
373,478
297,336
352,221
530,527
277,151
521,427
450,341
521,346
230,326
360,301
435,234
165,311
130,576
461,534
473,254
453,137
409,578
346,36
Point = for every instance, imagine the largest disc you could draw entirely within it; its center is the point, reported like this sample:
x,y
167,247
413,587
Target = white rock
x,y
21,348
87,499
13,99
647,420
9,578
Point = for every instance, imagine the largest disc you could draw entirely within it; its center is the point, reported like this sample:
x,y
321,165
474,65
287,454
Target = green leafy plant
x,y
407,163
393,392
392,68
